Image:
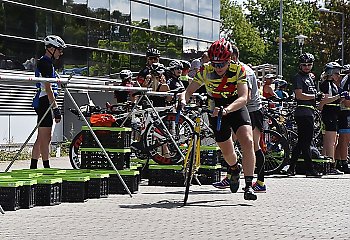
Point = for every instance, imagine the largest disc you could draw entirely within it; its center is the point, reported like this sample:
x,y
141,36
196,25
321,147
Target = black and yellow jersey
x,y
221,87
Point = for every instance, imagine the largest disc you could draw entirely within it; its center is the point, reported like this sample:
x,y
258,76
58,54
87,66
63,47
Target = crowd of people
x,y
232,85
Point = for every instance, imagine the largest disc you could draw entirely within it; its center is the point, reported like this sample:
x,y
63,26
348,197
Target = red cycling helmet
x,y
220,50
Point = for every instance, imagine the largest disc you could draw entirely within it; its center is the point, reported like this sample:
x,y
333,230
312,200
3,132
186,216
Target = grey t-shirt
x,y
254,103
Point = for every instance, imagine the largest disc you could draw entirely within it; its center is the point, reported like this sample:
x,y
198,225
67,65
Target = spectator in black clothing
x,y
173,74
306,95
152,56
330,109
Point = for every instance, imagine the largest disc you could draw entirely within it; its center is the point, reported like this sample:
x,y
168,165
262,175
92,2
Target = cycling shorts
x,y
44,104
344,122
231,121
256,119
330,120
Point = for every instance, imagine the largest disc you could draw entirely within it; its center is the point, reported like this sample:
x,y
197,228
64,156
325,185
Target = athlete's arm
x,y
242,91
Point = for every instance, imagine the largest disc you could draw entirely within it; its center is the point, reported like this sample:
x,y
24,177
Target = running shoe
x,y
224,183
249,193
258,188
233,177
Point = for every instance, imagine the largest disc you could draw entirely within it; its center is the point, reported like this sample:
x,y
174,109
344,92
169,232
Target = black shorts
x,y
344,122
233,121
44,104
256,118
330,120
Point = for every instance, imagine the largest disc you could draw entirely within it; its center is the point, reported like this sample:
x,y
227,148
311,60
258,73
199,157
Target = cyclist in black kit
x,y
45,96
306,95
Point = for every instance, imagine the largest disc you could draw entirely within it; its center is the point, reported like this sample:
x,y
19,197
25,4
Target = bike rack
x,y
64,83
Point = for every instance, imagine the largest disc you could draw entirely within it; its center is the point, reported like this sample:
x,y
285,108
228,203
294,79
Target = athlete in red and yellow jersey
x,y
226,84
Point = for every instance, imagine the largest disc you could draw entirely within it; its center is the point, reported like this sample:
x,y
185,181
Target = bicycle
x,y
150,137
192,161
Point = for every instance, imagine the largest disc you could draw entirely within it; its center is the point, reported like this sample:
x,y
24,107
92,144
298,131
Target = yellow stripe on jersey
x,y
207,76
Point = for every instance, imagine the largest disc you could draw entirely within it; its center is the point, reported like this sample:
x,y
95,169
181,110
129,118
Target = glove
x,y
345,95
318,96
57,113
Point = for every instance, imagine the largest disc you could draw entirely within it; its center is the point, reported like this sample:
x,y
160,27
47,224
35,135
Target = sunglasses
x,y
178,68
219,64
153,58
306,64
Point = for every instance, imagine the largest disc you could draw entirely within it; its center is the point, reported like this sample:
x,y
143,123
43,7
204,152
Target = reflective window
x,y
99,63
216,9
175,22
176,4
191,30
19,18
191,6
216,30
140,15
76,58
98,4
76,6
205,8
205,32
159,2
158,16
120,35
75,31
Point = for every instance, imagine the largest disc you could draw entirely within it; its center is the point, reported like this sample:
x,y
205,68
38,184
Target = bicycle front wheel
x,y
276,150
74,151
189,168
158,143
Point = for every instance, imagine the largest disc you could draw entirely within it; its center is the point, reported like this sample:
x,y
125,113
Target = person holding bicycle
x,y
330,109
226,85
45,96
256,116
172,75
306,96
152,56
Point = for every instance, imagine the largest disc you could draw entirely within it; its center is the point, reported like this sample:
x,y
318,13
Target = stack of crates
x,y
116,142
172,175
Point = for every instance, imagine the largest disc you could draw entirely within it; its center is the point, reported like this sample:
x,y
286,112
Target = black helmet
x,y
186,64
175,64
152,52
346,69
306,58
125,74
157,69
331,66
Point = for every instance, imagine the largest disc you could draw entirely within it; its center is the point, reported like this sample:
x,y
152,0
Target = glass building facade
x,y
106,36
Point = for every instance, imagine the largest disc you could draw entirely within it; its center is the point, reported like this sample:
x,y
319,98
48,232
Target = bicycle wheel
x,y
161,149
276,150
74,151
189,168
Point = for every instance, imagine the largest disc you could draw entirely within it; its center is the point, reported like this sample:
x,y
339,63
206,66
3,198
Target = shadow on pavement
x,y
169,204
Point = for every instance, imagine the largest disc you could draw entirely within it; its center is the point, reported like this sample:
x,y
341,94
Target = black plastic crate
x,y
110,137
130,177
320,165
210,155
208,174
98,185
28,192
165,175
93,158
48,191
10,195
75,188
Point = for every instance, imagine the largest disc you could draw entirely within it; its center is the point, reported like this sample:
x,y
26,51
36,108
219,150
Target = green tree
x,y
242,32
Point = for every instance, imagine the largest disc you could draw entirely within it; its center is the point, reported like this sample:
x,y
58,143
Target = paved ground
x,y
293,208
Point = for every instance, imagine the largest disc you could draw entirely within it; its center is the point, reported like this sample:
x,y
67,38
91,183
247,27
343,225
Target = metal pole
x,y
280,40
342,39
97,140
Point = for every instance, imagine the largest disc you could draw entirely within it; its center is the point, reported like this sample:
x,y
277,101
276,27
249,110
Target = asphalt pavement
x,y
292,208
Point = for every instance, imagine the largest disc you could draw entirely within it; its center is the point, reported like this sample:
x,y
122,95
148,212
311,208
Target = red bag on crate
x,y
102,120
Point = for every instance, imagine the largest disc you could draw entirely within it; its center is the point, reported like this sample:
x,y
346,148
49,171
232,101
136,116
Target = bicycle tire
x,y
74,150
276,150
181,135
189,171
